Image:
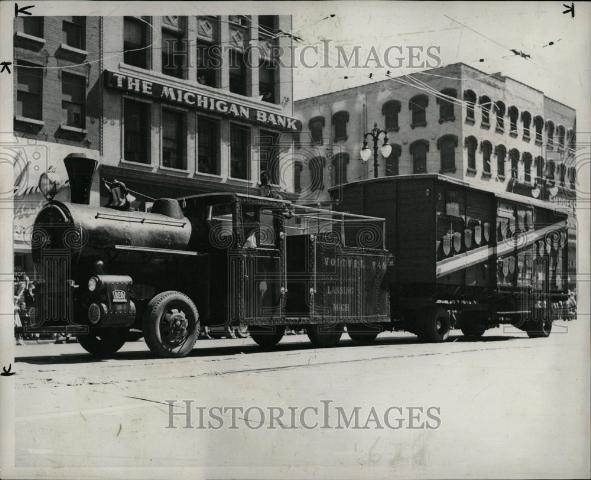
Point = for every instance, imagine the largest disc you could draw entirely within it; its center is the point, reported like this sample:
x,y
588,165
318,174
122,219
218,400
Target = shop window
x,y
268,81
136,131
486,149
316,125
527,161
391,110
136,36
73,100
501,153
526,119
208,145
446,105
32,26
485,105
209,62
74,32
500,113
238,72
29,96
339,121
470,100
418,106
447,148
173,53
269,156
339,168
393,161
174,139
418,151
240,152
471,144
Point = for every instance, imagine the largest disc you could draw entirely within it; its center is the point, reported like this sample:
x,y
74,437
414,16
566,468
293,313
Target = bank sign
x,y
199,101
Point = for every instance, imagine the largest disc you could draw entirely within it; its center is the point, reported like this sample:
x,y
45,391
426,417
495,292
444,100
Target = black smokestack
x,y
81,169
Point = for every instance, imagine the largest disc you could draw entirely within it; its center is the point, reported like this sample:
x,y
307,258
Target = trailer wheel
x,y
541,325
267,336
472,327
241,331
363,333
434,324
326,335
171,324
104,342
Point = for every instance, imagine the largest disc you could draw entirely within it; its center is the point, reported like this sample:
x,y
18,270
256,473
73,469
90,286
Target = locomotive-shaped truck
x,y
212,259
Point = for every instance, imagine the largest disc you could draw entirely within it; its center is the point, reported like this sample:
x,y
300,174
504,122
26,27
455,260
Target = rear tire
x,y
474,327
104,342
171,324
241,331
266,336
541,324
363,333
325,335
434,325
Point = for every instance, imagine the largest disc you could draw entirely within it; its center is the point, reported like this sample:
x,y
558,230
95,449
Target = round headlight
x,y
92,283
49,184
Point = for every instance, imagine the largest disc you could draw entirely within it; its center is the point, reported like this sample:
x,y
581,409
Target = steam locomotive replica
x,y
212,259
420,253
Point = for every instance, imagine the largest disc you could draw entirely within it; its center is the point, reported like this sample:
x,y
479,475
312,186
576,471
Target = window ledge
x,y
136,164
538,141
486,175
239,181
499,130
501,178
393,129
513,134
30,121
341,139
448,170
172,169
470,121
486,126
421,124
70,129
31,38
471,171
448,119
526,138
77,51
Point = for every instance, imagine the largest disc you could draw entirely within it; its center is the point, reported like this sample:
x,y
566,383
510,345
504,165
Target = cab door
x,y
263,278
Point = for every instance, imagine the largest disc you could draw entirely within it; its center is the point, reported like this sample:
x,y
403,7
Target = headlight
x,y
93,283
49,183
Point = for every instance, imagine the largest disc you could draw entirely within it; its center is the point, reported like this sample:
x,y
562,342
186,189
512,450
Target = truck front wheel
x,y
434,324
104,342
267,336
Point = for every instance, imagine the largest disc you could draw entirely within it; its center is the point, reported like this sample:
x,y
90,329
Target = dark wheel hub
x,y
174,327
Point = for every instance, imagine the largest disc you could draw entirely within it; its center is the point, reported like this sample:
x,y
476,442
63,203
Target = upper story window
x,y
501,153
539,164
500,112
268,25
73,100
418,106
562,174
268,81
513,117
136,131
339,121
470,100
393,161
316,166
238,72
550,170
239,20
29,96
316,125
447,148
418,151
174,139
74,32
240,144
526,118
297,176
561,134
269,156
485,105
514,158
209,58
471,144
391,110
174,48
486,149
446,105
572,177
32,26
550,132
572,141
539,126
208,142
339,168
136,49
527,161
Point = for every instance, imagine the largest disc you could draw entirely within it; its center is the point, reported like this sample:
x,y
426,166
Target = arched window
x,y
470,99
339,120
471,143
297,176
572,139
339,164
418,105
527,159
418,150
392,162
486,149
526,119
447,148
500,112
550,170
561,134
316,125
539,163
485,105
572,177
550,133
562,174
316,166
539,125
501,153
514,157
513,117
446,106
390,110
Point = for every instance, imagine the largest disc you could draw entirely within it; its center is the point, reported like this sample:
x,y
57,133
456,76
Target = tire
x,y
104,342
434,325
472,328
541,324
267,336
325,335
241,331
363,333
171,324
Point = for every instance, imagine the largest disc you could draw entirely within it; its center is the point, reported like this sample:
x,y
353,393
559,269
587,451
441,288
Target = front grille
x,y
53,300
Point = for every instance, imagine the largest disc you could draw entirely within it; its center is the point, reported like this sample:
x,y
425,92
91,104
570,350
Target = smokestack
x,y
81,169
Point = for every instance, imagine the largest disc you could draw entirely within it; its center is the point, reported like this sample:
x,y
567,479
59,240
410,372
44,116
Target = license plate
x,y
119,296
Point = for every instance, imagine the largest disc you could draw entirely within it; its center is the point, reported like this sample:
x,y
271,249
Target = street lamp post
x,y
366,152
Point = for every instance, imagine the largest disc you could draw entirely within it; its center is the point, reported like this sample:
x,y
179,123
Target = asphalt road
x,y
503,405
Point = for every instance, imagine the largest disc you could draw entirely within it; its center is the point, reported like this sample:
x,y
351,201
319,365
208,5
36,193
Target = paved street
x,y
515,404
